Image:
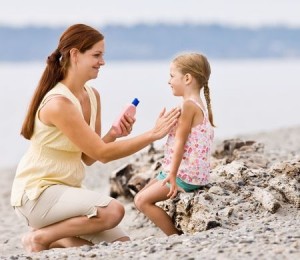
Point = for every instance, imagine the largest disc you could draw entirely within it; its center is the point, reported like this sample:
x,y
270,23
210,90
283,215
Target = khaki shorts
x,y
60,202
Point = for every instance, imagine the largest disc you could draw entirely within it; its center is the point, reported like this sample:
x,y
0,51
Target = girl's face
x,y
176,80
91,60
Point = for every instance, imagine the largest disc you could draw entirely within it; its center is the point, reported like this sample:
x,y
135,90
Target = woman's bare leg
x,y
70,242
107,218
145,202
67,242
77,241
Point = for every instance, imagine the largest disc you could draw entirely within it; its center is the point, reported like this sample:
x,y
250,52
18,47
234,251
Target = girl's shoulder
x,y
195,102
192,105
189,106
189,103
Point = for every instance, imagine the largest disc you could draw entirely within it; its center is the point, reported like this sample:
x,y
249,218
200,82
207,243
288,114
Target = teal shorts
x,y
180,183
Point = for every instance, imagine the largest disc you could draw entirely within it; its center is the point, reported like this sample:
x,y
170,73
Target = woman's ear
x,y
74,54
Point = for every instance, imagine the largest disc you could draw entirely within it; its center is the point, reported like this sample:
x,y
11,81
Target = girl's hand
x,y
173,186
165,122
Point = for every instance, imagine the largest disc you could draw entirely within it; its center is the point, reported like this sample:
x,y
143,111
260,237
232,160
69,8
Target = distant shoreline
x,y
160,41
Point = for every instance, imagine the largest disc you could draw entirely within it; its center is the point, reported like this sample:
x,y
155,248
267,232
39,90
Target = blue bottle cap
x,y
135,102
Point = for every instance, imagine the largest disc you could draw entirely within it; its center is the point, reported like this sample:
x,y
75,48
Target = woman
x,y
64,126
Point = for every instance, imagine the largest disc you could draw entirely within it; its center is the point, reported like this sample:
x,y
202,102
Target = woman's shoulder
x,y
59,88
93,93
92,90
58,97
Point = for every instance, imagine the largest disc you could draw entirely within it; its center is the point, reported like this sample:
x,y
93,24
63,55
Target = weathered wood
x,y
138,181
118,181
130,178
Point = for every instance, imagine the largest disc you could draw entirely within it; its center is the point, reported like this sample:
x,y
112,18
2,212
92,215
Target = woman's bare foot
x,y
31,244
122,239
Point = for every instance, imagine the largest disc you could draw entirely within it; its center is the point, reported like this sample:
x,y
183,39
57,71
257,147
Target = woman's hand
x,y
126,125
165,122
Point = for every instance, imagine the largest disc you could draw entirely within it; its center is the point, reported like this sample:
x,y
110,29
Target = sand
x,y
263,236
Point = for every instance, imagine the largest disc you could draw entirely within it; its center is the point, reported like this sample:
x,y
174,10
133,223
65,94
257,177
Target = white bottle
x,y
129,109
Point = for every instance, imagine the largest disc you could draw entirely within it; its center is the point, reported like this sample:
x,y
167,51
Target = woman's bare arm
x,y
63,114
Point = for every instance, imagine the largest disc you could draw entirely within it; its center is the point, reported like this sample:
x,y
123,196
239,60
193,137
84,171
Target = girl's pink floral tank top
x,y
195,165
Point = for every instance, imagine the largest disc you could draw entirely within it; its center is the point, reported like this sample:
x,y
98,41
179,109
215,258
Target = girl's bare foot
x,y
31,244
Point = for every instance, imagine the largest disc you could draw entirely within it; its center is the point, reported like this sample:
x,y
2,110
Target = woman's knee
x,y
112,214
118,211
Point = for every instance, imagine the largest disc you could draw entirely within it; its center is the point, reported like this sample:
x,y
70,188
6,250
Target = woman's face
x,y
90,61
176,80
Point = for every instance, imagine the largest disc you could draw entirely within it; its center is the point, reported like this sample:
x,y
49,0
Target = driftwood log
x,y
131,177
119,181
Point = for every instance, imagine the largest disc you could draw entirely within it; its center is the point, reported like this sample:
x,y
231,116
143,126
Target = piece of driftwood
x,y
118,181
138,181
130,178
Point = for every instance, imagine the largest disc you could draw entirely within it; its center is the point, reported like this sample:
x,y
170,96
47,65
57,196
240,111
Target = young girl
x,y
186,163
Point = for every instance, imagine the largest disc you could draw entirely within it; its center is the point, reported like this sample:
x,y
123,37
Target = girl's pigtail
x,y
208,103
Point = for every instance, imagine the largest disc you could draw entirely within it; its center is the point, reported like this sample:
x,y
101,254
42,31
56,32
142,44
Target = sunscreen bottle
x,y
129,109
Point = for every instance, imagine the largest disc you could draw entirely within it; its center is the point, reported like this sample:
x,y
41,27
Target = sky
x,y
250,13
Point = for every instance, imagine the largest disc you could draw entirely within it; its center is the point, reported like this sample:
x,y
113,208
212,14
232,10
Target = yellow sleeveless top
x,y
51,158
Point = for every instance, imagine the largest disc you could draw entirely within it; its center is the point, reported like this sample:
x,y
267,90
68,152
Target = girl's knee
x,y
139,201
136,200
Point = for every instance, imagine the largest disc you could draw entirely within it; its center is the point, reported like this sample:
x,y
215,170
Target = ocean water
x,y
247,96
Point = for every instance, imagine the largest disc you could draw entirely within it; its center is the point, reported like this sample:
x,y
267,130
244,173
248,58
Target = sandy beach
x,y
262,235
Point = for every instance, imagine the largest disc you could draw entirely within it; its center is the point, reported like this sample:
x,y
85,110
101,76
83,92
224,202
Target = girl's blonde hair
x,y
198,66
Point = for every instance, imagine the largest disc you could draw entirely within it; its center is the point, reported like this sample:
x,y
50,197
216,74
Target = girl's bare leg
x,y
145,202
41,239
